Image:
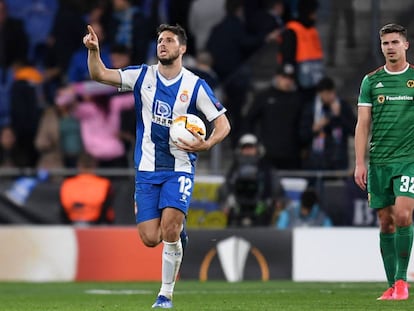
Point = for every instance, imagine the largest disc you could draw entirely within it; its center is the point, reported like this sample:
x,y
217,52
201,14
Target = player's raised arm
x,y
97,69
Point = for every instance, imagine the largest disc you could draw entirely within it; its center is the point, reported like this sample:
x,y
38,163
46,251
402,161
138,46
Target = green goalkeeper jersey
x,y
391,96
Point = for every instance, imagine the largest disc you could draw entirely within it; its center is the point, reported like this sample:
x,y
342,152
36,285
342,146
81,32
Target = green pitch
x,y
196,296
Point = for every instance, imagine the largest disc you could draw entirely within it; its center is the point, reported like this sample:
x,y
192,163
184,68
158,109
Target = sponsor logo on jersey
x,y
161,121
379,84
162,114
410,83
162,109
399,97
381,98
184,96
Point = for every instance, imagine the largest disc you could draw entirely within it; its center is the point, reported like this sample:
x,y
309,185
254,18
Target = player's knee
x,y
403,218
171,232
149,240
387,223
387,227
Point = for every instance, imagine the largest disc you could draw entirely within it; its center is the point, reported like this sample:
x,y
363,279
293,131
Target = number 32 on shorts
x,y
407,184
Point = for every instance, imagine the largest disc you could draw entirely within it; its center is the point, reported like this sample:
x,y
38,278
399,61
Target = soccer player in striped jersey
x,y
164,170
386,109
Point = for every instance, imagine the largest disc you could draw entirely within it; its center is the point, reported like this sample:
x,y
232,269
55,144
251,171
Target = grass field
x,y
196,296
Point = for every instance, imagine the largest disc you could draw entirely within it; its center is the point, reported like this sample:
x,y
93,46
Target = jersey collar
x,y
396,72
166,81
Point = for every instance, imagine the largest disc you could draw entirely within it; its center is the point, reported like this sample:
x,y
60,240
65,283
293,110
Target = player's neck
x,y
396,67
170,71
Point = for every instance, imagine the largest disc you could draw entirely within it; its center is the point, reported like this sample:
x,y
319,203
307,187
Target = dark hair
x,y
325,84
268,4
309,198
393,28
120,49
177,30
87,161
233,5
306,7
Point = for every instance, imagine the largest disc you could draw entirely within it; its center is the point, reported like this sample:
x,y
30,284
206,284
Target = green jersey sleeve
x,y
365,98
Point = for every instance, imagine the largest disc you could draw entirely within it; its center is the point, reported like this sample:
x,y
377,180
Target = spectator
x,y
277,109
157,12
327,123
47,140
204,69
68,26
99,117
120,56
86,198
301,47
127,133
129,27
269,18
26,105
178,11
6,80
9,155
71,144
14,42
338,8
78,66
231,36
38,17
203,16
58,138
96,12
247,192
306,213
264,20
13,46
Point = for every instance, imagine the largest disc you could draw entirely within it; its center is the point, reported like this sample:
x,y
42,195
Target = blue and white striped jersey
x,y
157,102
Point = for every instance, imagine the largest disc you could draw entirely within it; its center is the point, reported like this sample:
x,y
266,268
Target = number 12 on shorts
x,y
185,185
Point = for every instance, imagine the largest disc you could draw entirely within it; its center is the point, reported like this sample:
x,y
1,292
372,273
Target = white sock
x,y
172,255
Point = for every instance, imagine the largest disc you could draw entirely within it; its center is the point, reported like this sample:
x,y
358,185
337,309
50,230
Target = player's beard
x,y
169,60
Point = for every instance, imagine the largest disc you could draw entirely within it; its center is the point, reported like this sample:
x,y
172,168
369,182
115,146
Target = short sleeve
x,y
129,76
364,98
208,103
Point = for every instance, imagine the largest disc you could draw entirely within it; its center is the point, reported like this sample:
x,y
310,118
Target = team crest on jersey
x,y
184,96
410,83
381,99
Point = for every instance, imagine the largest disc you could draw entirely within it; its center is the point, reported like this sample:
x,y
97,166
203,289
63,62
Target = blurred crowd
x,y
264,59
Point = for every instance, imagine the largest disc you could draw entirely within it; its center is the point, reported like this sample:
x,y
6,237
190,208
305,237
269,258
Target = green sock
x,y
389,256
403,244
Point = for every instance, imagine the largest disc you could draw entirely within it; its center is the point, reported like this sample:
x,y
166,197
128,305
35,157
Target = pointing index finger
x,y
91,31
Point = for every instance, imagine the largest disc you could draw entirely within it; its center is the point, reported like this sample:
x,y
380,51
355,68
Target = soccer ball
x,y
181,126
